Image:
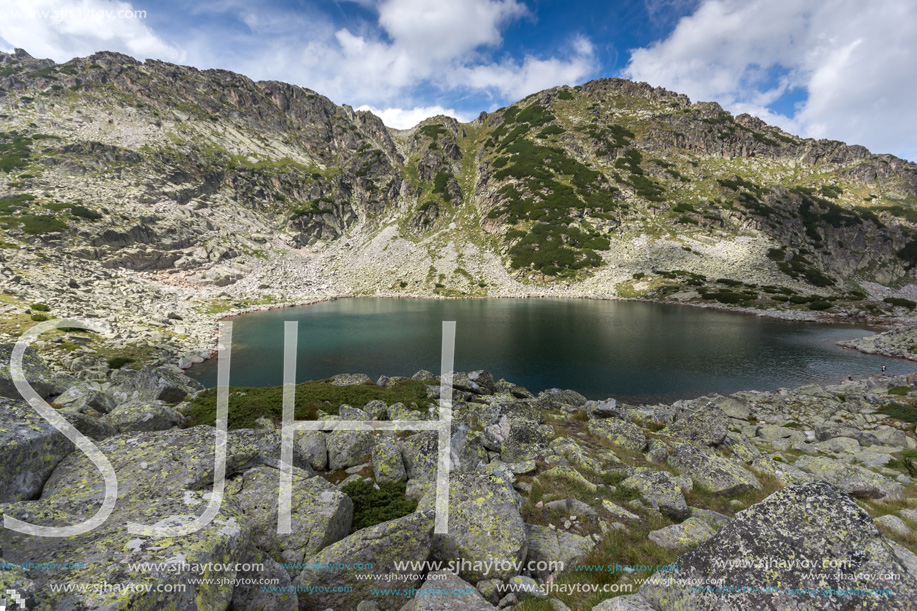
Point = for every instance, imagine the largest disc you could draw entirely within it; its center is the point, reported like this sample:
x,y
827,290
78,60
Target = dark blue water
x,y
636,352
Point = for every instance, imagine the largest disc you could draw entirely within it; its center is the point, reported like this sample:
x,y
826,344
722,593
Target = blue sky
x,y
839,69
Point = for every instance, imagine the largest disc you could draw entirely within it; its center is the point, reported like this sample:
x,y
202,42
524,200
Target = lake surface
x,y
632,351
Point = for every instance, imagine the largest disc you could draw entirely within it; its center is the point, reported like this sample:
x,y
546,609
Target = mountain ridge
x,y
206,190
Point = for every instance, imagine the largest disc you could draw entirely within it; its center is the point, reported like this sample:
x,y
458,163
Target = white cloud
x,y
62,30
404,118
855,61
517,81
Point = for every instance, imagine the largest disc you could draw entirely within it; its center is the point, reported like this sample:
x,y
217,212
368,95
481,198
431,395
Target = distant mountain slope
x,y
209,181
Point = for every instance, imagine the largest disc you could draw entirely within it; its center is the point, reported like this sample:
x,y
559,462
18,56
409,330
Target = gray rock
x,y
80,397
894,524
312,445
88,424
608,408
814,523
467,450
484,523
165,384
688,534
707,426
617,512
633,602
854,480
420,453
141,416
477,382
555,398
388,466
252,597
660,490
619,432
548,547
526,586
320,513
30,449
526,440
715,473
406,539
39,376
350,379
349,448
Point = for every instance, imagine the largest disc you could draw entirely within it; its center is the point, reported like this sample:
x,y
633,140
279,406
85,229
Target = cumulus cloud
x,y
404,118
62,30
854,62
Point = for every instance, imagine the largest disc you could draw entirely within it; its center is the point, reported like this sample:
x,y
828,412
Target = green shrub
x,y
819,305
117,362
246,405
39,317
898,301
906,412
84,212
371,506
40,307
899,390
563,94
639,275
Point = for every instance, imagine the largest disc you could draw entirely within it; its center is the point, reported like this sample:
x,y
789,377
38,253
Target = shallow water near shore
x,y
632,351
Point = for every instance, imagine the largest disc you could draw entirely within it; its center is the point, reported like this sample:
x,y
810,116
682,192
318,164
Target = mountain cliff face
x,y
210,183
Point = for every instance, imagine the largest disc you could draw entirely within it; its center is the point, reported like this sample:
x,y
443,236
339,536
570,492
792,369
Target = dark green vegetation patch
x,y
246,405
371,506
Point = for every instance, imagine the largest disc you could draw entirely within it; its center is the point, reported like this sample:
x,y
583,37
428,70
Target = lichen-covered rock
x,y
312,446
526,440
484,524
350,379
167,384
80,396
406,539
107,553
446,591
350,448
478,382
556,398
388,466
633,602
547,546
89,424
39,376
619,432
251,596
685,535
660,490
320,513
152,464
707,426
399,411
30,449
617,512
420,453
714,473
566,474
855,480
467,450
139,416
803,548
576,455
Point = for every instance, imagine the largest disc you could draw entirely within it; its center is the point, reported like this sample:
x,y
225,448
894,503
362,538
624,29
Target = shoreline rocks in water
x,y
541,484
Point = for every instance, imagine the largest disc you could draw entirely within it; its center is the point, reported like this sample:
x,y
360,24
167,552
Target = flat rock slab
x,y
446,591
619,432
688,534
711,471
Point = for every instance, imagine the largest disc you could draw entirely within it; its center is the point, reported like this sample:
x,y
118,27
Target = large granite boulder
x,y
855,480
660,490
166,384
37,373
406,539
619,432
485,525
30,449
138,416
446,591
547,547
706,426
713,472
803,548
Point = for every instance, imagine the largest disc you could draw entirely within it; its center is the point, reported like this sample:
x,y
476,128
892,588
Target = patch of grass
x,y
34,224
40,307
900,302
906,412
900,390
40,317
372,506
714,501
117,362
246,405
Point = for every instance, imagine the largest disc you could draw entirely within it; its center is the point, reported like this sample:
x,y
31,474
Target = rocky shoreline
x,y
718,486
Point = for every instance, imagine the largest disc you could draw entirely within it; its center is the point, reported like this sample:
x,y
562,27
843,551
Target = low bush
x,y
372,506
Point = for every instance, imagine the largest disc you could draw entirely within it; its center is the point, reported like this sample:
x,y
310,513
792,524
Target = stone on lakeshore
x,y
478,382
855,480
556,398
388,466
420,454
165,384
526,440
660,490
707,426
350,379
714,473
619,432
312,446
